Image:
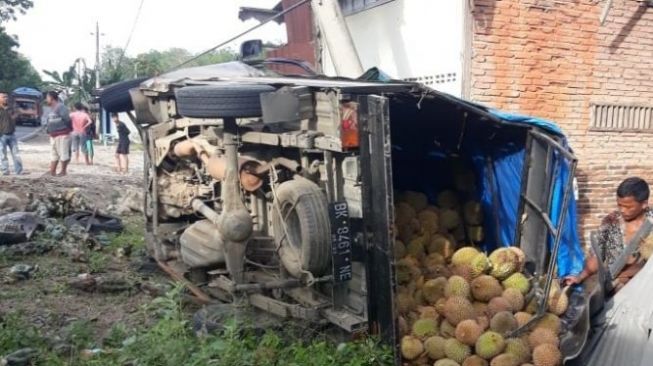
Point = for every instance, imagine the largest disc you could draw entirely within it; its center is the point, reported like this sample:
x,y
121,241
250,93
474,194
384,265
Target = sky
x,y
56,32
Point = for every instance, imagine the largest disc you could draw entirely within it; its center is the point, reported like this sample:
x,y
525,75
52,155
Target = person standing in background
x,y
89,136
80,121
8,138
122,151
59,128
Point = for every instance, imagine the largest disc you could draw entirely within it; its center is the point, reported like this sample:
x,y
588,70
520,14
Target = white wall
x,y
411,39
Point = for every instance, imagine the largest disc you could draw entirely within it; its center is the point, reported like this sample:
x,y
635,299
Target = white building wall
x,y
417,40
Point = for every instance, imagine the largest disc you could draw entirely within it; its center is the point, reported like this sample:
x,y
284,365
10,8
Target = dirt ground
x,y
47,299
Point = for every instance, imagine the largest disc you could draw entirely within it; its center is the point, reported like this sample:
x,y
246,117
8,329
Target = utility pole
x,y
97,35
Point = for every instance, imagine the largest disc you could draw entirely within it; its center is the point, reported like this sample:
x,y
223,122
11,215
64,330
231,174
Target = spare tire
x,y
115,98
304,210
95,222
221,101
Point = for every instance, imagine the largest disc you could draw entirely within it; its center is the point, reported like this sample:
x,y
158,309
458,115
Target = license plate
x,y
340,242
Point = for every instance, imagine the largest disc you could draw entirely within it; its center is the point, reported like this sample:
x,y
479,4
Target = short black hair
x,y
79,106
53,94
634,187
114,115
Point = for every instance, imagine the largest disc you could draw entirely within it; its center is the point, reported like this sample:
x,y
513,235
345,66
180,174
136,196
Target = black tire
x,y
99,222
221,101
305,206
115,98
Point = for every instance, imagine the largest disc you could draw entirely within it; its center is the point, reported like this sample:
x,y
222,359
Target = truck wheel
x,y
304,210
220,101
115,98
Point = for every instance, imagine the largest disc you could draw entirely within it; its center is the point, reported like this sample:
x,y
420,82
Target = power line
x,y
131,33
295,6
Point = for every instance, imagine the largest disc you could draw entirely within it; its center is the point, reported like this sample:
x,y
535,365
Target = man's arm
x,y
65,115
88,121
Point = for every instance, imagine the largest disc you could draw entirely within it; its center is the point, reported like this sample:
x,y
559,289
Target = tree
x,y
15,69
77,82
10,8
117,67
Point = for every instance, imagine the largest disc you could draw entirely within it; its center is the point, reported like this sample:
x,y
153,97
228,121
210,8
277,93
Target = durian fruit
x,y
468,331
504,359
497,305
432,209
463,271
547,355
434,347
504,263
489,345
439,270
480,308
456,350
457,286
459,233
405,301
449,220
416,248
522,318
479,265
515,298
403,326
551,322
405,221
429,222
411,347
646,248
519,348
447,200
457,309
447,330
476,233
417,200
532,306
442,244
485,288
473,213
434,289
557,301
424,328
517,281
541,336
399,249
433,259
464,256
521,256
446,362
503,323
419,298
475,360
407,270
428,312
483,321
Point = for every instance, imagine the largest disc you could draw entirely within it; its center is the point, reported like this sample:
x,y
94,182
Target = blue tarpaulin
x,y
23,91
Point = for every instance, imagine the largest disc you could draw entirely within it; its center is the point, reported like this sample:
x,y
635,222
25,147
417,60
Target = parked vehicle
x,y
279,191
26,102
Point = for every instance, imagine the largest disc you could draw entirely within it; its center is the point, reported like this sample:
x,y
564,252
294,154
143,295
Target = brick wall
x,y
552,58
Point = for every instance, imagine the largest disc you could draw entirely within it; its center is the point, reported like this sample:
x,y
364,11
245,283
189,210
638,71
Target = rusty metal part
x,y
199,294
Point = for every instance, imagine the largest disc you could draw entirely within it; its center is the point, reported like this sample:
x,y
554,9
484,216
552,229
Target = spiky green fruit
x,y
434,289
474,360
468,331
464,256
547,355
424,328
434,347
473,213
446,362
447,200
489,344
519,348
515,298
456,350
457,309
417,200
504,263
429,222
457,286
479,265
503,323
504,359
411,347
449,219
517,281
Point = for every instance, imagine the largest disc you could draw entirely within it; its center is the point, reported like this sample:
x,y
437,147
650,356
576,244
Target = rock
x,y
84,282
26,249
9,202
22,357
22,271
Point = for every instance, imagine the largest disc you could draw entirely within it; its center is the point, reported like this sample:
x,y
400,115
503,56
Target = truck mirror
x,y
252,49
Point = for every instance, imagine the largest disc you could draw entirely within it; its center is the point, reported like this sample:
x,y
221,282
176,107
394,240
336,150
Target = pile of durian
x,y
459,306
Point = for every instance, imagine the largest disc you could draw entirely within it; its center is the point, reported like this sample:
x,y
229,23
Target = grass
x,y
170,341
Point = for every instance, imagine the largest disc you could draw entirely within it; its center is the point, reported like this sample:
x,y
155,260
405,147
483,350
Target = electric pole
x,y
97,35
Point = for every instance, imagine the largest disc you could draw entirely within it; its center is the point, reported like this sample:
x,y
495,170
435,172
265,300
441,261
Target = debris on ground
x,y
17,227
22,357
25,249
9,202
101,284
129,202
85,282
22,271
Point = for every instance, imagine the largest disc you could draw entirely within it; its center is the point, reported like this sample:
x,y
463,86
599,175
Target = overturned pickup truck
x,y
309,198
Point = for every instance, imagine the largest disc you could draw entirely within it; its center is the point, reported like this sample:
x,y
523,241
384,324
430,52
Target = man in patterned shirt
x,y
616,231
